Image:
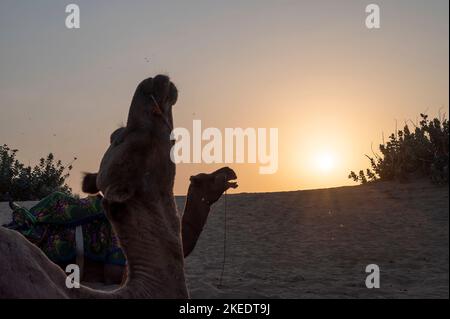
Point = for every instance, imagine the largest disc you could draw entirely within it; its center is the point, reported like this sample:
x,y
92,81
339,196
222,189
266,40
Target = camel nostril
x,y
161,88
162,79
232,175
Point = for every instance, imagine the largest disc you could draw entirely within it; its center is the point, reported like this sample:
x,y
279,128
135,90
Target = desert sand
x,y
317,243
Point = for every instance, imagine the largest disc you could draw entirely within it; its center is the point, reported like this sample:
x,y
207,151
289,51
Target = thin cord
x,y
224,240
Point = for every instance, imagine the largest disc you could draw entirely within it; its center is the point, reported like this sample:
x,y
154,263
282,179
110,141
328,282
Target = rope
x,y
224,239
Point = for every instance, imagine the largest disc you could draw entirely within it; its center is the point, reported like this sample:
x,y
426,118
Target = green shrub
x,y
20,182
423,152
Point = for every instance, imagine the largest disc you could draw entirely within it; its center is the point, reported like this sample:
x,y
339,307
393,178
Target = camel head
x,y
137,162
211,186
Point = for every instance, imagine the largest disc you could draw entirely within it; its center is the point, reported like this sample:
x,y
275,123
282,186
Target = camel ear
x,y
89,183
194,180
117,135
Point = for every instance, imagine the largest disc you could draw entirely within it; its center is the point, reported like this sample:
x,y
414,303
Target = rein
x,y
224,240
158,111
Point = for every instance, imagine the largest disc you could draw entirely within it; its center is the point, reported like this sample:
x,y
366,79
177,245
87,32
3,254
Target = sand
x,y
317,243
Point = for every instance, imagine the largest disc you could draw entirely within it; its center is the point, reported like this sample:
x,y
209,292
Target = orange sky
x,y
310,69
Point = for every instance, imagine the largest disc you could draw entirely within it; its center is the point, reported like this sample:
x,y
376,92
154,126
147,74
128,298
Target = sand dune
x,y
317,243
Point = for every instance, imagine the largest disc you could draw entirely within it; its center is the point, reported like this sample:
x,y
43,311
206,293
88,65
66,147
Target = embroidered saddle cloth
x,y
51,224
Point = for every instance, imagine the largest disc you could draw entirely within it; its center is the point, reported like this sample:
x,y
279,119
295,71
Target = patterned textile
x,y
51,224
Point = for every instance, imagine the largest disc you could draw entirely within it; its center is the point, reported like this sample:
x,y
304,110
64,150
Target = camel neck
x,y
196,213
152,243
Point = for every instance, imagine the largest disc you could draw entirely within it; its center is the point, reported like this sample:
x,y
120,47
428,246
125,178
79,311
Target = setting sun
x,y
325,161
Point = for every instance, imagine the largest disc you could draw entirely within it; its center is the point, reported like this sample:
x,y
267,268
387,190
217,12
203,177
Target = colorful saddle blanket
x,y
51,224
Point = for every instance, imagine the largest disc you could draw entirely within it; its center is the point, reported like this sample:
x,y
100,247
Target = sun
x,y
325,161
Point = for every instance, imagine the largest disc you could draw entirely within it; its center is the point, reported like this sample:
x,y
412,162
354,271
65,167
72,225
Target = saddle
x,y
66,228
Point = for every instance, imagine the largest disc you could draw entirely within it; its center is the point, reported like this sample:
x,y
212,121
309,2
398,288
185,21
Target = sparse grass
x,y
423,152
20,182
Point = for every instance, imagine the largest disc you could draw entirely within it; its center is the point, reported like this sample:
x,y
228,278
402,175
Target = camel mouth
x,y
231,176
231,179
232,184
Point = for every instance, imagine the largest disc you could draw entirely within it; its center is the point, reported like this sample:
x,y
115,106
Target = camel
x,y
204,190
136,177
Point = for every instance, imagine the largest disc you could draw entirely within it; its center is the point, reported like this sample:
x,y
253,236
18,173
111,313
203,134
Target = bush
x,y
20,182
421,153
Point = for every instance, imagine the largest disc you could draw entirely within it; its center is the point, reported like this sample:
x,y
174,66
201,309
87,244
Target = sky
x,y
312,69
